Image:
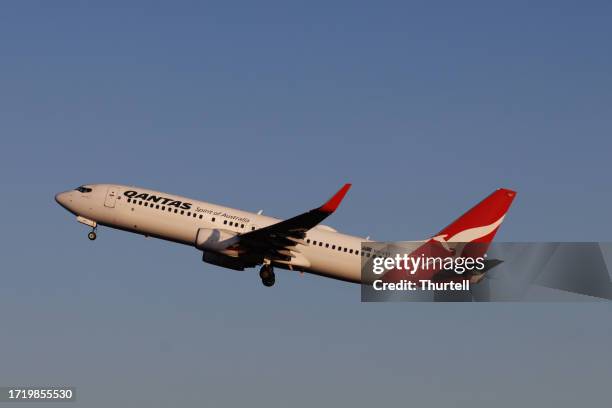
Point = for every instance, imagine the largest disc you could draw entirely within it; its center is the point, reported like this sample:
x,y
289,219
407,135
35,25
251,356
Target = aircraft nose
x,y
62,199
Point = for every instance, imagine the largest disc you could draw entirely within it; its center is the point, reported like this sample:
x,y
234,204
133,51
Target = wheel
x,y
269,282
265,272
91,236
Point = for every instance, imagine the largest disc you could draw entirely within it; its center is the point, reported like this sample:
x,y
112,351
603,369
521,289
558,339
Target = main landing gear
x,y
266,273
92,235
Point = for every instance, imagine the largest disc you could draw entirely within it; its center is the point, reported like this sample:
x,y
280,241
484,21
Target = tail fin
x,y
481,222
468,236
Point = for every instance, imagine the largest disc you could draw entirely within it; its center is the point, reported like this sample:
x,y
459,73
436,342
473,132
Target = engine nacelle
x,y
222,260
214,239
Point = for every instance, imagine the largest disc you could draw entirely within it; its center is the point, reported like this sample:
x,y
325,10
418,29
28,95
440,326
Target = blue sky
x,y
425,107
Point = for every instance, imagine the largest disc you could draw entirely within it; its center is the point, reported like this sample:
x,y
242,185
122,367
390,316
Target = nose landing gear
x,y
266,273
91,223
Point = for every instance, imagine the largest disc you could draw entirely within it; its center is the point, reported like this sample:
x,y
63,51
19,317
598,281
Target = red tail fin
x,y
481,222
468,236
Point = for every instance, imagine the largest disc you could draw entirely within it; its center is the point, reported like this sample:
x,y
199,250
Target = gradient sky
x,y
426,107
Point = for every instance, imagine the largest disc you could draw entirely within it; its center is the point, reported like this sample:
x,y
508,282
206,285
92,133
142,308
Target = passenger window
x,y
140,203
314,242
189,213
345,249
326,245
320,244
224,222
333,247
241,225
213,219
308,241
129,200
175,211
351,251
200,216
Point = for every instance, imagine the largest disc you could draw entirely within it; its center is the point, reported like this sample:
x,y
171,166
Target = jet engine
x,y
222,260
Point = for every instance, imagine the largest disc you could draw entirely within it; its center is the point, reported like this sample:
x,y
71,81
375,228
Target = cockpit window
x,y
84,189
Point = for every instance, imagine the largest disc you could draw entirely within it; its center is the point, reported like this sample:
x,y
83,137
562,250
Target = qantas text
x,y
157,199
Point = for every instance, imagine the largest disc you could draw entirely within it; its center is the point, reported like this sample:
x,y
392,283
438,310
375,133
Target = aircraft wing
x,y
274,241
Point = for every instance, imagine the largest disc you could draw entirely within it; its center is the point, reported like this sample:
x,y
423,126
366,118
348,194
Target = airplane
x,y
237,239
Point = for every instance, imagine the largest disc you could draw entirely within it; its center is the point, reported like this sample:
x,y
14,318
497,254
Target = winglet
x,y
333,203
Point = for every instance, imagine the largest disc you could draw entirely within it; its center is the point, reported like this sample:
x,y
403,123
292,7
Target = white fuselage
x,y
174,218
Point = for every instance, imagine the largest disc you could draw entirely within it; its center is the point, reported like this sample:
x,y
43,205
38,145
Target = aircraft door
x,y
111,197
